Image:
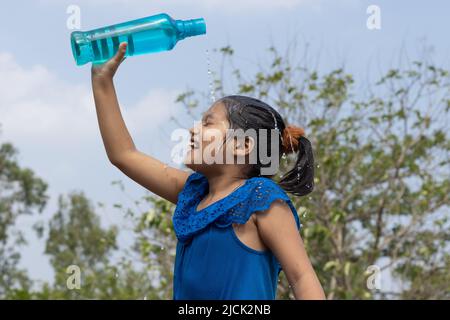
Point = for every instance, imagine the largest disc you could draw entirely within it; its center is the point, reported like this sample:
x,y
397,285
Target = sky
x,y
46,104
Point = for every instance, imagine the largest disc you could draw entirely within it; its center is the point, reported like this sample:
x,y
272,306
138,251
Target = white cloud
x,y
37,106
54,126
152,110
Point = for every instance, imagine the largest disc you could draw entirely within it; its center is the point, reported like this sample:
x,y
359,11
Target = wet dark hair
x,y
245,113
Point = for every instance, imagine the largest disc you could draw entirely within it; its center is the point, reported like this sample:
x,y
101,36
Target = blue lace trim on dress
x,y
256,194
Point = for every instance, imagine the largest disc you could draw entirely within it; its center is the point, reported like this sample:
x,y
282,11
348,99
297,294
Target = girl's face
x,y
208,139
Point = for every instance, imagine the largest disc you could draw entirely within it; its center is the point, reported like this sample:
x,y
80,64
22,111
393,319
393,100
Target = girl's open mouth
x,y
194,145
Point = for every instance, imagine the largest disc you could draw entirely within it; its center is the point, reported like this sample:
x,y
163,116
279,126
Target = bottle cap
x,y
190,28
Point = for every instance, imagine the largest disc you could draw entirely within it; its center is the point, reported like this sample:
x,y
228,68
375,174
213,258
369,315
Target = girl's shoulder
x,y
264,191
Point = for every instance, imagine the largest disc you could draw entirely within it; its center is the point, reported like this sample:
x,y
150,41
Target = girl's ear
x,y
244,146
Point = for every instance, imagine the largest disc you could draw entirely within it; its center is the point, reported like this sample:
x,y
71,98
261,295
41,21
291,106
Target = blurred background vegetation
x,y
381,192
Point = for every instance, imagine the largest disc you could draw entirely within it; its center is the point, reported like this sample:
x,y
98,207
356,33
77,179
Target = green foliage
x,y
21,193
76,237
381,183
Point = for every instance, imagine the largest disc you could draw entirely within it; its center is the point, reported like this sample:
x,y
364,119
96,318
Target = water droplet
x,y
309,198
281,176
210,80
145,298
318,166
284,156
117,275
275,121
162,248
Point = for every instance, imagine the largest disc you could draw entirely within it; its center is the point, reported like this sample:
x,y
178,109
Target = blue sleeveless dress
x,y
211,262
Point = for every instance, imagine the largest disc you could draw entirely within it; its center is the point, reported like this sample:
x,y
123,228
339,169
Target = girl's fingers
x,y
120,54
110,67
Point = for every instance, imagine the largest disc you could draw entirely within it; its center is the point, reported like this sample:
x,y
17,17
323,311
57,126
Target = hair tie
x,y
291,136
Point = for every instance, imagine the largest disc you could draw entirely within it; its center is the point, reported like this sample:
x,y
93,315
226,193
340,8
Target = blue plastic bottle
x,y
146,35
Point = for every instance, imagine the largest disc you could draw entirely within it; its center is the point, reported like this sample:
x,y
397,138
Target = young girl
x,y
236,228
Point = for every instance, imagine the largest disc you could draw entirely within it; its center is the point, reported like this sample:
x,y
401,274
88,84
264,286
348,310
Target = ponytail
x,y
299,180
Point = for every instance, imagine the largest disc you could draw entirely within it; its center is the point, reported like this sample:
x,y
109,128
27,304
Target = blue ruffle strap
x,y
257,194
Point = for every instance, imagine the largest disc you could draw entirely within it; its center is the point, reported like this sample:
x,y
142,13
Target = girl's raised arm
x,y
149,172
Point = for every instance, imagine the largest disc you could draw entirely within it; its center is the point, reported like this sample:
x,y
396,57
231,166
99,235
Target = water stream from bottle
x,y
212,93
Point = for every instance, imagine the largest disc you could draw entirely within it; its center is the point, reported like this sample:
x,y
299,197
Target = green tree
x,y
382,178
21,193
153,242
76,238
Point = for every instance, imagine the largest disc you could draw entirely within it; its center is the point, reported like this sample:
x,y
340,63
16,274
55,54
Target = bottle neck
x,y
190,28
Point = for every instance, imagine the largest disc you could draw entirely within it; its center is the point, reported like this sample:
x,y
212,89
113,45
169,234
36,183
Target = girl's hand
x,y
106,71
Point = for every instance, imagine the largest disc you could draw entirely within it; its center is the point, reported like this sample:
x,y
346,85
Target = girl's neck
x,y
223,184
